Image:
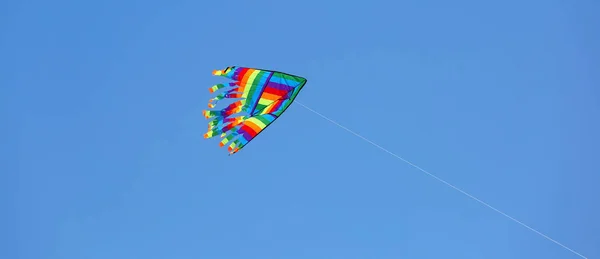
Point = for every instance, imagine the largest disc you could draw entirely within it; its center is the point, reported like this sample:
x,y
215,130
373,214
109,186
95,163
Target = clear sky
x,y
103,155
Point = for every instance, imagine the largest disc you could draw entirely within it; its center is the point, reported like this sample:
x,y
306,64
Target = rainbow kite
x,y
264,95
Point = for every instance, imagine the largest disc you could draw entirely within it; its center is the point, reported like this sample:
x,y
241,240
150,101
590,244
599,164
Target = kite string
x,y
441,180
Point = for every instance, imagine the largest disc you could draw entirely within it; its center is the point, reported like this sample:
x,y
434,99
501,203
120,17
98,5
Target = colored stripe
x,y
257,98
254,81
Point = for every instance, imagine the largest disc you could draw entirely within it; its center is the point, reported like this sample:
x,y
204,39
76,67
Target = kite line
x,y
441,180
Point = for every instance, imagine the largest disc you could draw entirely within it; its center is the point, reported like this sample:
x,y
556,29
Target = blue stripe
x,y
258,94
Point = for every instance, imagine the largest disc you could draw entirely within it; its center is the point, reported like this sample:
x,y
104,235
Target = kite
x,y
263,96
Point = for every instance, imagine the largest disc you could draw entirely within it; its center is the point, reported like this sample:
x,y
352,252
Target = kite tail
x,y
232,122
216,87
229,94
221,122
233,133
233,108
248,129
225,126
229,72
236,145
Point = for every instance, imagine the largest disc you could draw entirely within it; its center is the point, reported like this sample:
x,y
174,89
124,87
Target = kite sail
x,y
263,96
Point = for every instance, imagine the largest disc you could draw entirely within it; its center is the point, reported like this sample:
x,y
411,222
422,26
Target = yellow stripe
x,y
223,142
249,82
257,122
264,101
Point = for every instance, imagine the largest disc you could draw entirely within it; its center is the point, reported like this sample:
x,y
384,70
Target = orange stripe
x,y
268,109
249,130
272,107
254,127
246,76
270,97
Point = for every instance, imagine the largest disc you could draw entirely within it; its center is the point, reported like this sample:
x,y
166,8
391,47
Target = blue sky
x,y
104,155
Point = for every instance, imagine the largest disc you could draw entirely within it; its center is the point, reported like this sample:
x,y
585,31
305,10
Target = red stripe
x,y
248,130
275,91
273,107
242,74
277,105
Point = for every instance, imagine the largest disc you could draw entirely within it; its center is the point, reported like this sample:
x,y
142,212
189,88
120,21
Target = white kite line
x,y
441,180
